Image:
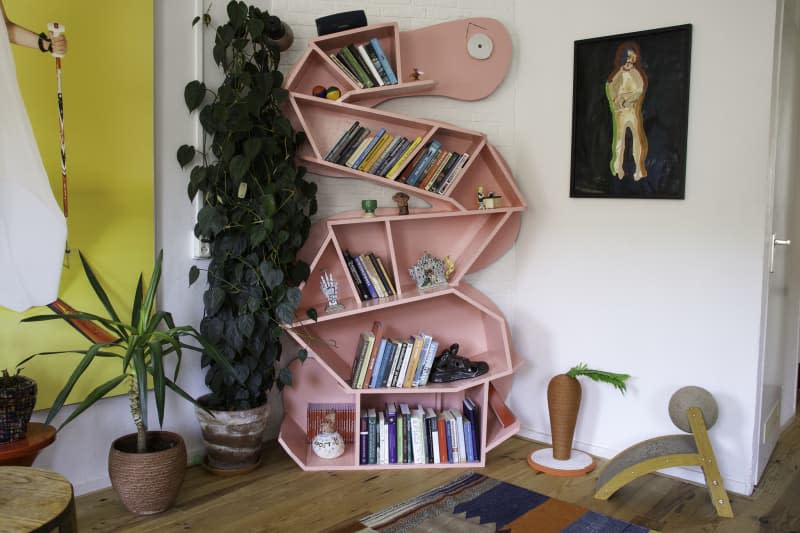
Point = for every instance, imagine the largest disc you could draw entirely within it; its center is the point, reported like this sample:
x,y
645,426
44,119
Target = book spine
x,y
401,375
375,140
373,57
337,146
433,167
376,152
377,332
386,277
387,287
370,66
501,411
440,179
401,429
398,166
429,358
418,436
462,449
448,428
423,355
383,434
373,275
363,293
362,371
357,56
413,362
357,360
387,67
375,374
372,437
438,171
416,174
357,152
392,158
348,150
401,360
381,159
441,424
341,66
469,442
351,62
454,174
363,273
363,439
386,364
391,422
472,414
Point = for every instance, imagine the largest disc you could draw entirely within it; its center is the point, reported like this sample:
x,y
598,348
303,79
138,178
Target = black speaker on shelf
x,y
346,20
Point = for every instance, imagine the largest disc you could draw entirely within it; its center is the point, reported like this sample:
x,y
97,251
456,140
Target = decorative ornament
x,y
333,93
416,74
330,288
401,199
328,443
488,201
429,272
319,91
369,207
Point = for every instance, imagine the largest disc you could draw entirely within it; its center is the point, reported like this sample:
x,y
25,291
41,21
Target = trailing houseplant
x,y
142,346
17,399
564,399
256,210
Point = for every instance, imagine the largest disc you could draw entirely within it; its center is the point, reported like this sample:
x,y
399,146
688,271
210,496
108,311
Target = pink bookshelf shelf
x,y
453,226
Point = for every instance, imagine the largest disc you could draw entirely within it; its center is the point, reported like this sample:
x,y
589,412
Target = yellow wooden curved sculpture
x,y
672,450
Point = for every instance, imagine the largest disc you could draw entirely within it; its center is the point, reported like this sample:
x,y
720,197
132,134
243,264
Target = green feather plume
x,y
616,380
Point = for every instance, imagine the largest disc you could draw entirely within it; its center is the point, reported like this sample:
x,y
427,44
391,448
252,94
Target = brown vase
x,y
147,483
563,402
233,439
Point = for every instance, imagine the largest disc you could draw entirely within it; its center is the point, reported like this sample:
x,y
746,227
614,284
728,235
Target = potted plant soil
x,y
146,467
17,399
256,216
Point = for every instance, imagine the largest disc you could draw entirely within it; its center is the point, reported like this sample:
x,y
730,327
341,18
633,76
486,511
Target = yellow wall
x,y
108,106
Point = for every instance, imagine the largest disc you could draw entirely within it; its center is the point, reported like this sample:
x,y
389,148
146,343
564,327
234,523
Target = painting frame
x,y
630,114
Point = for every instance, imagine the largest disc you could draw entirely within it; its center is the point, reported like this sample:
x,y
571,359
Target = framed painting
x,y
630,113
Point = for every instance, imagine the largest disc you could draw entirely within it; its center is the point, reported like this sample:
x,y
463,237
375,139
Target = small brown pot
x,y
147,483
233,439
563,402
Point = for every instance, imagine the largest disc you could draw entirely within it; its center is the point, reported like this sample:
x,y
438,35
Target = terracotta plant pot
x,y
147,483
563,402
233,439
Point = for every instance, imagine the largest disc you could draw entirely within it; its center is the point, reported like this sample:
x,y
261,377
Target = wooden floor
x,y
281,497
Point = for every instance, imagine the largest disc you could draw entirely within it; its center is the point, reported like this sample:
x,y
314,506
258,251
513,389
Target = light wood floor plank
x,y
281,497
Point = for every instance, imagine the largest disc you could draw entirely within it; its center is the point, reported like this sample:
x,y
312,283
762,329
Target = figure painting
x,y
630,115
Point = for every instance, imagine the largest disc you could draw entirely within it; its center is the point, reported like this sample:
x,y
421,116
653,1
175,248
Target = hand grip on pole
x,y
56,29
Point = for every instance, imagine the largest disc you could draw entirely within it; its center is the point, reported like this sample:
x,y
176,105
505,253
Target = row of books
x,y
382,362
370,276
365,64
434,168
381,154
401,435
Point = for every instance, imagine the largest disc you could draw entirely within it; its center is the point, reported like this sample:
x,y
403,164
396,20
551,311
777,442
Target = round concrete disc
x,y
692,396
578,464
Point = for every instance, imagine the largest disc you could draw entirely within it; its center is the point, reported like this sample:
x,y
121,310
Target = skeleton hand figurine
x,y
329,288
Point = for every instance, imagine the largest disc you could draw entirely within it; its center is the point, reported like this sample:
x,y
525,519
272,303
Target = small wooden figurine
x,y
401,199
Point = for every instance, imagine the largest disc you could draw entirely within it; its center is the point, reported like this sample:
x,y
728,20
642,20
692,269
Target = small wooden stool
x,y
22,452
32,499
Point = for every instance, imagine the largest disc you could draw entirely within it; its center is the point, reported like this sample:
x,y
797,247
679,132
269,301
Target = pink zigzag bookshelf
x,y
454,226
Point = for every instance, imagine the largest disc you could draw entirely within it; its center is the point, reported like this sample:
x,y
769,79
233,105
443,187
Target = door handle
x,y
776,242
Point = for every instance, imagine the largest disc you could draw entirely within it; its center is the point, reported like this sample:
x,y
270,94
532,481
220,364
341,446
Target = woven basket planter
x,y
233,439
147,483
563,402
16,407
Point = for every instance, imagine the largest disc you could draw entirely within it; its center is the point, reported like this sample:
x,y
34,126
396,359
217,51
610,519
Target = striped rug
x,y
476,503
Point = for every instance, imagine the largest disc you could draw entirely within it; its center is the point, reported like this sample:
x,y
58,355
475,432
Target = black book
x,y
337,148
351,266
376,63
378,264
353,145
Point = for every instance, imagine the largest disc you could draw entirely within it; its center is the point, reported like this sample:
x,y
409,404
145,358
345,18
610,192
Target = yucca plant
x,y
141,346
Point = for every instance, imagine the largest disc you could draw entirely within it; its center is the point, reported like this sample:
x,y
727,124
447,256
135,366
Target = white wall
x,y
668,291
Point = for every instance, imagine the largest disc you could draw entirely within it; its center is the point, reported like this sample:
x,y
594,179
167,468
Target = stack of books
x,y
434,168
370,276
381,362
401,435
381,154
365,64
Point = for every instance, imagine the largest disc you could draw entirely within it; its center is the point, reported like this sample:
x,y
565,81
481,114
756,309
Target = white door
x,y
778,391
